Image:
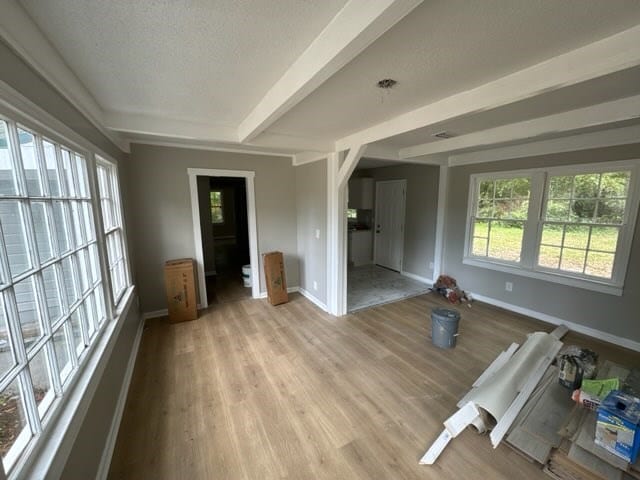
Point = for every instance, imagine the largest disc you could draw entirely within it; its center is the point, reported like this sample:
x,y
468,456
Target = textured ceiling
x,y
198,60
603,89
447,46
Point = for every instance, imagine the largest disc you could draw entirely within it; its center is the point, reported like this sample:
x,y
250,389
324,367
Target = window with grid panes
x,y
112,219
51,293
570,224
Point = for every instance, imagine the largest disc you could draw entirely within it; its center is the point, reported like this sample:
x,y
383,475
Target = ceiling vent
x,y
444,135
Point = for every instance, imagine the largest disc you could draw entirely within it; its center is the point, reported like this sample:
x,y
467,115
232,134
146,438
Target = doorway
x,y
224,220
388,245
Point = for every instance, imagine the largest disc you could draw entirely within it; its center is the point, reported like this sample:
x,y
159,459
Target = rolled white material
x,y
498,392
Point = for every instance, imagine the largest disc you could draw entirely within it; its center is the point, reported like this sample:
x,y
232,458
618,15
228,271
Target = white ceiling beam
x,y
354,28
383,152
612,54
599,115
24,36
303,158
349,164
584,141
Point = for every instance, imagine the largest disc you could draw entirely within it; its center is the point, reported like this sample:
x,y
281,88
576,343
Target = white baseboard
x,y
105,462
413,276
155,314
576,327
289,290
313,299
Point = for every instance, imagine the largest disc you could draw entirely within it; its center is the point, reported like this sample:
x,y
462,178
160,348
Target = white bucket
x,y
246,275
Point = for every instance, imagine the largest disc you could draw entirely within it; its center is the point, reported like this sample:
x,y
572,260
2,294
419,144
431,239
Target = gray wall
x,y
311,209
420,215
84,458
159,205
609,313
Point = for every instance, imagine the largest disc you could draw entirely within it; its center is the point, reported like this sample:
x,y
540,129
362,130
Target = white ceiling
x,y
209,73
448,46
196,60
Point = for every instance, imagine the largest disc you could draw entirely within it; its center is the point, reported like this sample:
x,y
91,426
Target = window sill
x,y
48,455
562,279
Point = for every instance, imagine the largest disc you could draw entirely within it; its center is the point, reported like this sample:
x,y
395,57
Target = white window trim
x,y
527,267
60,426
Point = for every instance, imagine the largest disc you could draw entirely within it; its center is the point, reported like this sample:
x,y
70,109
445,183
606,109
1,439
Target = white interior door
x,y
389,224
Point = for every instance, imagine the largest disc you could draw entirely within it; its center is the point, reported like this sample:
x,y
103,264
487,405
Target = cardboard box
x,y
274,275
618,427
179,280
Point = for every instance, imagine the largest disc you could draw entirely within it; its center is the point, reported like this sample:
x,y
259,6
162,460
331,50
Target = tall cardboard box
x,y
180,284
274,275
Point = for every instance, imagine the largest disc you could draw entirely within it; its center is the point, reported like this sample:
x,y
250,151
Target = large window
x,y
112,220
571,225
51,293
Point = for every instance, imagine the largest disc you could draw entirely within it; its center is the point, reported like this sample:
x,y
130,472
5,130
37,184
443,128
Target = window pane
x,y
87,216
505,240
586,186
610,211
15,238
81,262
40,377
600,264
91,312
549,257
28,311
216,215
68,173
479,247
583,211
614,184
560,187
62,353
514,209
552,234
7,173
30,163
52,168
69,281
81,171
485,209
94,263
576,236
7,360
481,229
12,417
486,189
61,226
77,223
42,232
604,238
52,292
76,329
572,260
557,210
100,304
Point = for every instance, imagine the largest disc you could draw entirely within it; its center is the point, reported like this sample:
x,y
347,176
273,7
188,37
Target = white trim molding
x,y
576,327
418,278
249,176
313,299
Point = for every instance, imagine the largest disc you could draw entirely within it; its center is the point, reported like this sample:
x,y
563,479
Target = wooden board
x,y
594,464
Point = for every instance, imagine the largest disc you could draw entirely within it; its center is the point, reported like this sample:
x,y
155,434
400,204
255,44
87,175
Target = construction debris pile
x,y
448,288
544,403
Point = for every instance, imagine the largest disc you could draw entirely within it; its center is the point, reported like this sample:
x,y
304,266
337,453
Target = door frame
x,y
403,205
251,220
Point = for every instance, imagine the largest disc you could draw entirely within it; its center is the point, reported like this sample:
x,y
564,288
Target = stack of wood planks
x,y
558,434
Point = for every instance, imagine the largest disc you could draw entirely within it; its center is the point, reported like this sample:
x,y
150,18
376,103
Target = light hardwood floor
x,y
251,391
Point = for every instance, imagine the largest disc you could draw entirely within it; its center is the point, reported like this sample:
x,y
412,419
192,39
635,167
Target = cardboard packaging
x,y
179,279
618,427
274,275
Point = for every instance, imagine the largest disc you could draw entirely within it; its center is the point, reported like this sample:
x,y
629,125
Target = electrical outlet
x,y
430,265
318,233
508,286
315,285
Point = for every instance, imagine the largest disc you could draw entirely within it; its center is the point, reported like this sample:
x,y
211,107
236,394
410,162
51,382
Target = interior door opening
x,y
225,238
